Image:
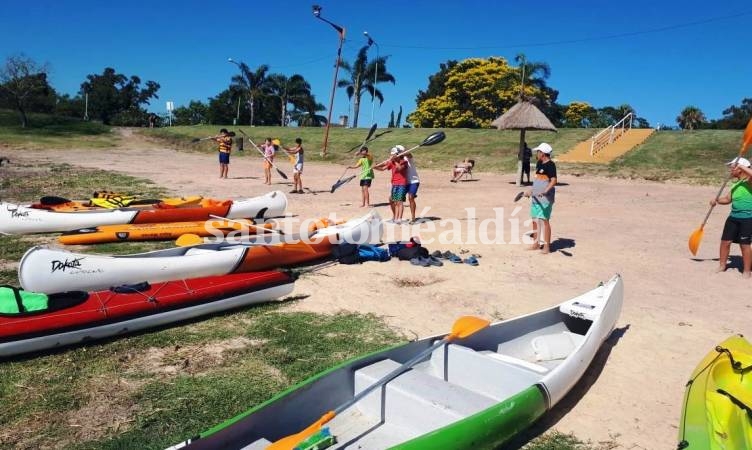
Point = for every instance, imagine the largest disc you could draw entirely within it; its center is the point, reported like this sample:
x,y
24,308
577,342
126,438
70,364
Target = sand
x,y
676,308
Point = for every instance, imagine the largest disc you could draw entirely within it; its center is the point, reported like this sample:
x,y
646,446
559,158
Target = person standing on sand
x,y
543,195
268,149
397,165
738,227
297,170
365,162
225,147
525,156
413,183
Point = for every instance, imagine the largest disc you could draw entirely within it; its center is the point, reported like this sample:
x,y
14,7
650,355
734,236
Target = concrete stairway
x,y
629,140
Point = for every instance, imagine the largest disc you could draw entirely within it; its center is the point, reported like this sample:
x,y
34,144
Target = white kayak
x,y
50,270
19,219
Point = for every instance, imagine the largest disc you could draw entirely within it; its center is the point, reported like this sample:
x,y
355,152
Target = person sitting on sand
x,y
365,162
738,227
461,169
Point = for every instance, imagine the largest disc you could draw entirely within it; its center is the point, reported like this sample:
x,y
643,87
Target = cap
x,y
543,147
276,141
400,148
394,151
739,161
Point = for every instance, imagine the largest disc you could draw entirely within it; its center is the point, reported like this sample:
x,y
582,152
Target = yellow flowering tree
x,y
579,114
472,93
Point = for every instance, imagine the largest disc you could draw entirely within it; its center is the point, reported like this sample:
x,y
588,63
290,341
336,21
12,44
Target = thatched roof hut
x,y
523,116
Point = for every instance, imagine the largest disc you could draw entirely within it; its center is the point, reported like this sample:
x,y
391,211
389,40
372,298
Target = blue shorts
x,y
224,158
366,182
398,193
412,189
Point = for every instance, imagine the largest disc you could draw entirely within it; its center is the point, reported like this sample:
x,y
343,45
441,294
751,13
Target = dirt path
x,y
676,309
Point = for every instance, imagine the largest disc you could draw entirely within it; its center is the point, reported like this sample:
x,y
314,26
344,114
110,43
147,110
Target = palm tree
x,y
361,80
305,113
253,82
691,118
294,89
532,72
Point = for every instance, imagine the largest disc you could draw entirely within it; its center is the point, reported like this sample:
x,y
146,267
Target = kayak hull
x,y
475,393
106,313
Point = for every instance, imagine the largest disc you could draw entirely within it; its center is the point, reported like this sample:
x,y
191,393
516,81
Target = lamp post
x,y
237,116
375,71
341,32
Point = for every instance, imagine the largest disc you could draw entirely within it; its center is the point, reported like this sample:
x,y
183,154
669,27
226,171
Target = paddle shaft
x,y
282,174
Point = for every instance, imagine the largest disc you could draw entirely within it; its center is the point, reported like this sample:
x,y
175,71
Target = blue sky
x,y
658,56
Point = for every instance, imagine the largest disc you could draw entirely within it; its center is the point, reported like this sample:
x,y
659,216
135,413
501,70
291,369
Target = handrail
x,y
609,135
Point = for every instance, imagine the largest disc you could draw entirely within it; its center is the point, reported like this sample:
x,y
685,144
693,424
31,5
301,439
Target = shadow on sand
x,y
552,417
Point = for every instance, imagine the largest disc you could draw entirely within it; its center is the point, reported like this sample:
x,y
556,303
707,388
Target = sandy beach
x,y
676,308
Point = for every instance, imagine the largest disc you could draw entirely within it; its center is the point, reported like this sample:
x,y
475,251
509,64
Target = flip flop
x,y
454,258
437,254
434,261
471,260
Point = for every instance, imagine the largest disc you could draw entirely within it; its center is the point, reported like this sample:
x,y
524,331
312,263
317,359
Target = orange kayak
x,y
158,231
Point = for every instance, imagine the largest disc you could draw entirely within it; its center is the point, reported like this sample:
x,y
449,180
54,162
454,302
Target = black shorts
x,y
366,182
738,231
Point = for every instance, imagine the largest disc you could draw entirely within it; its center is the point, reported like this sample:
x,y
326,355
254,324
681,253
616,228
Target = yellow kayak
x,y
717,411
115,201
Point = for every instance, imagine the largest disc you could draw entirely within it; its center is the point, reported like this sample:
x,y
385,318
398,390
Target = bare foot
x,y
746,275
533,247
545,250
720,269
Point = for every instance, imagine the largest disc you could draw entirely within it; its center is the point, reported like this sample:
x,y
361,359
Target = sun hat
x,y
543,147
744,162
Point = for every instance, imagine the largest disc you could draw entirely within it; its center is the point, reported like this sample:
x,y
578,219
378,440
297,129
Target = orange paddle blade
x,y
289,442
746,137
189,239
694,240
467,325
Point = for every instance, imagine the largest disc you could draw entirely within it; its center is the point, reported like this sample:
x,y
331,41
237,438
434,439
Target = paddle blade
x,y
746,137
282,174
370,133
694,240
339,183
194,140
466,326
289,442
518,196
189,239
434,138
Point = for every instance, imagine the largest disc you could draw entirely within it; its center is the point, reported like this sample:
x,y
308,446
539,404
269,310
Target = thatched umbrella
x,y
523,116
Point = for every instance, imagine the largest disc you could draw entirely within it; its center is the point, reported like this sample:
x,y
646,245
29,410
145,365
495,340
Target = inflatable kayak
x,y
31,321
50,270
158,231
473,389
717,411
17,219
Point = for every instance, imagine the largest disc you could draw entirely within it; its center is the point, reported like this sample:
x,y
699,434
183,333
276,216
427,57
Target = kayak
x,y
18,219
50,270
717,411
74,317
114,201
157,231
475,392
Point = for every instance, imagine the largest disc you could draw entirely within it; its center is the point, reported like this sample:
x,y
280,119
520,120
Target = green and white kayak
x,y
475,392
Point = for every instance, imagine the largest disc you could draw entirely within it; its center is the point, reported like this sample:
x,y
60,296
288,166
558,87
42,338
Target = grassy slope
x,y
45,131
695,157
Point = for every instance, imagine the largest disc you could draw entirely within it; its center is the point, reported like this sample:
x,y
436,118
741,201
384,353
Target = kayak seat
x,y
488,373
550,347
416,400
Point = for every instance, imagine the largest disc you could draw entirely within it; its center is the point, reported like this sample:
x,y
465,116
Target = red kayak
x,y
72,317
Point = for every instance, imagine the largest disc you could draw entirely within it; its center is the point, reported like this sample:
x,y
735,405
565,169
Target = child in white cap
x,y
543,195
738,226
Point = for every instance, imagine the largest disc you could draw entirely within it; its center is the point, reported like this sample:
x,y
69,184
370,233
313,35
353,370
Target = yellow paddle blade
x,y
467,325
289,442
189,239
183,201
694,240
276,141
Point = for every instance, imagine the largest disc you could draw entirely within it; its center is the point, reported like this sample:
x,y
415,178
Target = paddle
x,y
519,196
281,174
339,181
463,327
194,140
432,139
696,237
375,136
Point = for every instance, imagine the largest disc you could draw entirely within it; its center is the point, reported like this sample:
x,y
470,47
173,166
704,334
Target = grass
x,y
47,131
561,441
687,156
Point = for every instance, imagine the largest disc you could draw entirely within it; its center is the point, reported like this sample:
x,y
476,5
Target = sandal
x,y
454,258
471,260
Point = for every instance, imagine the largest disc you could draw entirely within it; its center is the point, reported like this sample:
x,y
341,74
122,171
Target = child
x,y
461,169
297,170
413,183
399,181
268,149
225,147
365,162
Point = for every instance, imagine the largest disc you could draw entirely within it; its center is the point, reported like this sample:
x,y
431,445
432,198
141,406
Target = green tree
x,y
475,92
115,97
24,87
736,117
253,82
691,118
222,108
307,114
436,82
195,113
294,90
361,79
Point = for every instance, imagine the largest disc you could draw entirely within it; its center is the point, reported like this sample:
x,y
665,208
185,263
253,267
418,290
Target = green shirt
x,y
741,200
366,168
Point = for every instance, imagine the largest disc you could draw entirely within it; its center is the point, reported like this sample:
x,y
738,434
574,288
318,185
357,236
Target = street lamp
x,y
341,32
375,71
237,116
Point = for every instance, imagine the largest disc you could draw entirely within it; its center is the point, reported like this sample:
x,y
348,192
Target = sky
x,y
657,56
